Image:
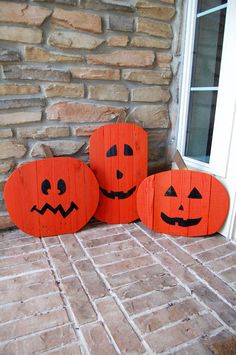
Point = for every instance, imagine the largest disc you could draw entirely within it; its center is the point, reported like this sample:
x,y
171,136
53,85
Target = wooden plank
x,y
118,157
186,203
54,196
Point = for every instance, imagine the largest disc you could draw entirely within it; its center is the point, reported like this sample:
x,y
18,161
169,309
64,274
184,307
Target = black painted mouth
x,y
180,221
119,194
59,208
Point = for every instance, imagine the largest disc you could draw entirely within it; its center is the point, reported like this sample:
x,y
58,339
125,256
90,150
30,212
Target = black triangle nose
x,y
181,208
119,174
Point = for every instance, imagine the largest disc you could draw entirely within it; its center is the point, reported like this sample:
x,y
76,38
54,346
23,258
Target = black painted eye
x,y
112,151
194,193
128,150
171,192
61,186
45,186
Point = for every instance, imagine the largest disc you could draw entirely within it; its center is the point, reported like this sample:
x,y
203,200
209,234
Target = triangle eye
x,y
112,151
194,194
128,150
171,192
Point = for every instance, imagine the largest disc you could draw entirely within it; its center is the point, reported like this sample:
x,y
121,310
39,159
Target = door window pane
x,y
204,5
200,125
208,49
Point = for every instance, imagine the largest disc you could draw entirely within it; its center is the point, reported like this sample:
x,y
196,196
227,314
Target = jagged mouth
x,y
59,208
119,194
180,221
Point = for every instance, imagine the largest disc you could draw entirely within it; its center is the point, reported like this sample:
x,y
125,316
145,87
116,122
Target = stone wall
x,y
68,66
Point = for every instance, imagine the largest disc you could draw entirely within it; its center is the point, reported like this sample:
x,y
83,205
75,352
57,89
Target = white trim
x,y
204,88
186,79
223,151
212,10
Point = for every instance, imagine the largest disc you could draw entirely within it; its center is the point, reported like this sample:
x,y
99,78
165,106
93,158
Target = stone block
x,y
65,90
84,131
154,10
182,332
81,306
126,265
107,92
154,28
77,20
61,147
150,116
72,247
6,166
150,42
168,1
148,243
5,221
123,58
31,325
24,72
155,299
91,279
105,240
150,94
9,55
21,103
121,23
123,6
43,132
79,112
91,333
109,248
6,133
118,41
126,339
164,60
211,300
19,117
20,34
11,149
43,342
23,13
17,89
73,40
215,282
160,77
59,258
95,74
36,54
66,2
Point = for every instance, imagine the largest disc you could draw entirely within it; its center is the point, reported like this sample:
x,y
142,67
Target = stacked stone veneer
x,y
68,66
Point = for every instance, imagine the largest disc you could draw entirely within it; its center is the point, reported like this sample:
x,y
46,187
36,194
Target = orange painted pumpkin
x,y
182,202
118,158
51,196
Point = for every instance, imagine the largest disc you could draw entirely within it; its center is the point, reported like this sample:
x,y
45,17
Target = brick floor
x,y
116,290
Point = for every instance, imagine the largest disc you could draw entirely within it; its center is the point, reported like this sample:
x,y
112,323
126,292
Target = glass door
x,y
207,117
208,43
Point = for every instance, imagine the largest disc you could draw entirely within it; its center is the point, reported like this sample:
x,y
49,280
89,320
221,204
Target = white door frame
x,y
222,162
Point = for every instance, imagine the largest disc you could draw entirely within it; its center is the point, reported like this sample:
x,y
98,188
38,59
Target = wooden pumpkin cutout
x,y
118,158
51,196
182,203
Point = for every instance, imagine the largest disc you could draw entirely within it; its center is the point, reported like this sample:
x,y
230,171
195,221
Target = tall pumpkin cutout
x,y
51,196
118,158
183,202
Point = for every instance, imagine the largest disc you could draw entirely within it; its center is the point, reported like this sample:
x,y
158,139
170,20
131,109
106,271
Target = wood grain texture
x,y
183,203
51,196
118,158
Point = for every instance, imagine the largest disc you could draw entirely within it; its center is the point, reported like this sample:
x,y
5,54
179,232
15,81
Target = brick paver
x,y
115,289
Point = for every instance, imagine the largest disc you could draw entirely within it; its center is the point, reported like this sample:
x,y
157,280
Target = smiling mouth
x,y
59,208
180,221
119,194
